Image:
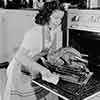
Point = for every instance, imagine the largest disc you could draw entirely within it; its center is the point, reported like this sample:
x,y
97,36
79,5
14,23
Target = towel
x,y
50,77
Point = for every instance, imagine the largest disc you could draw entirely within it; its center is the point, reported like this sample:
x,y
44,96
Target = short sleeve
x,y
33,40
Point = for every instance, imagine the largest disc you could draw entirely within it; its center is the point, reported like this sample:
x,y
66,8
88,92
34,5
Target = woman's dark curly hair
x,y
44,14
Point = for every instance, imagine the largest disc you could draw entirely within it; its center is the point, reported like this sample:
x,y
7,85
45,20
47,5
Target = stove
x,y
84,35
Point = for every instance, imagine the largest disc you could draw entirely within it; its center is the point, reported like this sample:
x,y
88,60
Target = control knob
x,y
76,18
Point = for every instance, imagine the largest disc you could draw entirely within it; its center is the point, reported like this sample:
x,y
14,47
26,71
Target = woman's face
x,y
55,18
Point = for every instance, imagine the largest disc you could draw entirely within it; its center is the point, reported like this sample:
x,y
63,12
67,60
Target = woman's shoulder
x,y
34,31
32,37
36,28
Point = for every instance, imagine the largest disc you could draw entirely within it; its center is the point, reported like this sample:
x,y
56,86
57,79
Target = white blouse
x,y
33,40
37,39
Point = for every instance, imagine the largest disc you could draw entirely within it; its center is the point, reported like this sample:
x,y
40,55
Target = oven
x,y
84,34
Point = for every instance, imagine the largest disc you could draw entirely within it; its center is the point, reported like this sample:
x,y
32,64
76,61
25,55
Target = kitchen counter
x,y
27,9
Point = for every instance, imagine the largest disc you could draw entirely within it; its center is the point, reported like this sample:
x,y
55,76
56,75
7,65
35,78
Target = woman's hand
x,y
45,74
25,70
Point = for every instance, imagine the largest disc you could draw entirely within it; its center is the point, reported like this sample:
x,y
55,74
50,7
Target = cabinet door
x,y
17,24
2,38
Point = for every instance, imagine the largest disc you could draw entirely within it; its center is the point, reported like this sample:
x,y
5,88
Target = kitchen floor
x,y
3,79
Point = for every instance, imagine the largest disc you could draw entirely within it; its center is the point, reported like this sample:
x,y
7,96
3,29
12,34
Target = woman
x,y
44,36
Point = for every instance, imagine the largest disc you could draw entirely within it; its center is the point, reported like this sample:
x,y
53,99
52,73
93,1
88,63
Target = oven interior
x,y
87,43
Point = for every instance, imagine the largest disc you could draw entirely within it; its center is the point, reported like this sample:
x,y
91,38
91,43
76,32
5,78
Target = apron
x,y
19,86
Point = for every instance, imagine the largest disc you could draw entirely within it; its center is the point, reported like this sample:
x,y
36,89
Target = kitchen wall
x,y
13,25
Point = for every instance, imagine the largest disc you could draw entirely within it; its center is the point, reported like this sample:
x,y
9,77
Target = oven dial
x,y
76,18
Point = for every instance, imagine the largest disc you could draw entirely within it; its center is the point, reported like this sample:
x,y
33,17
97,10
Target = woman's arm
x,y
29,63
31,66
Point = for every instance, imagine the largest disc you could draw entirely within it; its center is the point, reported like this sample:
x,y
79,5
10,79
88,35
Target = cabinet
x,y
2,43
13,25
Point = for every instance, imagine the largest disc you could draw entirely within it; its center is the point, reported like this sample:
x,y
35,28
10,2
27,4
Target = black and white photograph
x,y
49,49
